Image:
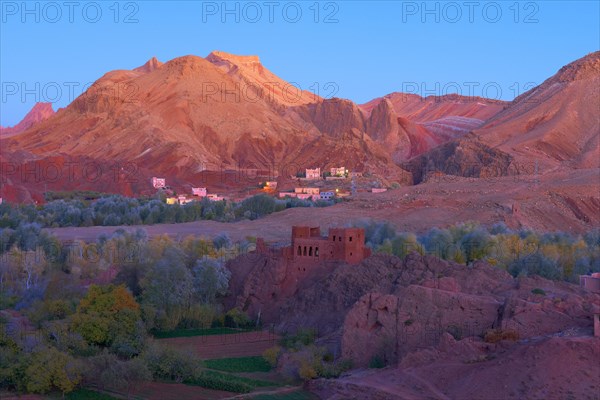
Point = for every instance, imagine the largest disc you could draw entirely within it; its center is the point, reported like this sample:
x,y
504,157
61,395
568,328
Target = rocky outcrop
x,y
556,367
388,308
40,112
467,157
151,65
395,325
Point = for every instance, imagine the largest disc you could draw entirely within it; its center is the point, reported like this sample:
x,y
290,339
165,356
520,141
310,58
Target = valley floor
x,y
558,201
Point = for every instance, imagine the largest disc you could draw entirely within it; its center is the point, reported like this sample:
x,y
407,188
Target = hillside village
x,y
311,185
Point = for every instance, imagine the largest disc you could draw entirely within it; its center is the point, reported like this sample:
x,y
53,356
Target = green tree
x,y
105,313
49,369
167,290
211,278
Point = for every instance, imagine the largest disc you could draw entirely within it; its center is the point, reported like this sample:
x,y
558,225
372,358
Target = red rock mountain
x,y
431,108
557,122
193,114
554,125
423,123
39,113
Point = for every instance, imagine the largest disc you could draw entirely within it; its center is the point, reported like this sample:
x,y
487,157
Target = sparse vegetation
x,y
271,355
556,256
96,209
539,291
310,362
303,337
455,331
377,362
496,335
481,358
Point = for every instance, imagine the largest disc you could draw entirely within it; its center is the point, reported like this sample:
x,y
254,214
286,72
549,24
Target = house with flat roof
x,y
158,183
314,173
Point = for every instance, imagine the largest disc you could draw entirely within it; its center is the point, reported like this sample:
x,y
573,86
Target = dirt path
x,y
177,391
281,390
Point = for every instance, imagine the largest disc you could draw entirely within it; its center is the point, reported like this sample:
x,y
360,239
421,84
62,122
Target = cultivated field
x,y
243,344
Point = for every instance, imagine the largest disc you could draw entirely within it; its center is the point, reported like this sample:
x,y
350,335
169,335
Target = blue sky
x,y
49,51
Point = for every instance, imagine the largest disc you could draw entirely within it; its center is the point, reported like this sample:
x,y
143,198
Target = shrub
x,y
271,355
376,233
303,337
310,362
257,206
222,240
406,243
496,335
307,371
197,316
536,264
455,331
376,362
539,291
235,318
166,363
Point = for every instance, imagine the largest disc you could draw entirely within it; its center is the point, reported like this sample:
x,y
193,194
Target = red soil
x,y
225,346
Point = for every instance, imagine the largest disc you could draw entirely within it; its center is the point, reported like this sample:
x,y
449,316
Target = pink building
x,y
341,171
158,183
181,199
590,282
307,196
199,191
378,190
314,173
214,197
306,190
